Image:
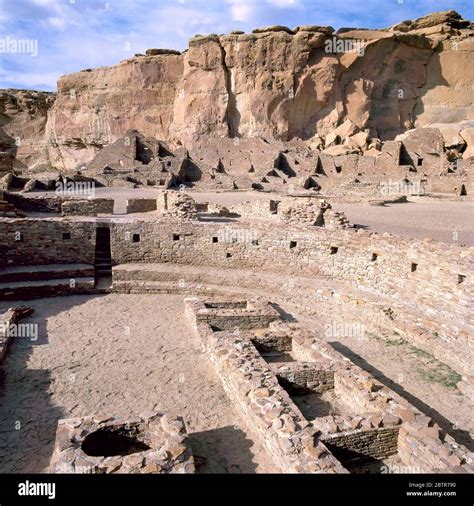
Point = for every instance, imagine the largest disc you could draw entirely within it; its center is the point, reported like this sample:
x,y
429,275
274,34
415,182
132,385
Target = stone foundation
x,y
383,265
359,448
270,413
8,319
244,315
91,207
373,423
141,205
152,444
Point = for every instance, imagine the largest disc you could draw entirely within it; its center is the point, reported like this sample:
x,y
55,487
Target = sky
x,y
40,40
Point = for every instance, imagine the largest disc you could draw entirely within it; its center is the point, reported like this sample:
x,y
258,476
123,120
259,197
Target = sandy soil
x,y
101,355
451,222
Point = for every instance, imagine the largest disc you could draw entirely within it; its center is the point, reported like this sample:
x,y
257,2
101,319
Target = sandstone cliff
x,y
23,119
276,84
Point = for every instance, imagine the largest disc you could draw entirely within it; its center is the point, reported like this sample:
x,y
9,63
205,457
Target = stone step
x,y
26,290
45,272
162,287
103,272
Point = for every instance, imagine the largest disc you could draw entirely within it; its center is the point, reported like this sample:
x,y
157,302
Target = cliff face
x,y
276,83
95,107
23,119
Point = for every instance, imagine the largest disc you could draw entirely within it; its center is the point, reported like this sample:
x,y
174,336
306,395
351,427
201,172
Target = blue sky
x,y
76,34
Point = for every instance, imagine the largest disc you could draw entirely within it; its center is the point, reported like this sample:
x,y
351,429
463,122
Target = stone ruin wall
x,y
378,443
165,445
87,207
372,405
440,285
35,205
305,251
47,241
7,318
381,263
141,205
60,204
246,379
381,425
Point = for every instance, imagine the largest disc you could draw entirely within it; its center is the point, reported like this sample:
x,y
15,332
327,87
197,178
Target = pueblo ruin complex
x,y
253,256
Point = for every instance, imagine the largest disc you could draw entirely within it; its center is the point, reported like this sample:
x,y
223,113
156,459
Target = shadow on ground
x,y
460,436
224,450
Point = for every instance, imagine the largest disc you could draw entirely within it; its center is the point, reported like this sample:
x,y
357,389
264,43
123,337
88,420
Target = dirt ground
x,y
116,355
451,222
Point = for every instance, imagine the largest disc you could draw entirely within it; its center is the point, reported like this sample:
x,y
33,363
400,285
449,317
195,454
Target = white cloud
x,y
242,10
56,22
283,4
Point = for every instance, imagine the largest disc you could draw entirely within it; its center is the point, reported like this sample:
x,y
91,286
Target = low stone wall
x,y
271,414
48,241
55,288
8,210
256,209
452,184
141,205
33,204
229,316
402,270
91,207
363,309
407,270
154,443
422,449
377,444
273,342
420,441
8,319
372,415
303,375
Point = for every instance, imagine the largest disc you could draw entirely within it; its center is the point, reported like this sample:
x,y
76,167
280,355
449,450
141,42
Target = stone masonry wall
x,y
268,409
7,318
35,204
141,205
376,443
48,241
253,315
420,441
91,207
306,377
415,270
369,426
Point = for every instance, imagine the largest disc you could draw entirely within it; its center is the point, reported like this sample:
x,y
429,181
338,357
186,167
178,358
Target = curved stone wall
x,y
433,279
